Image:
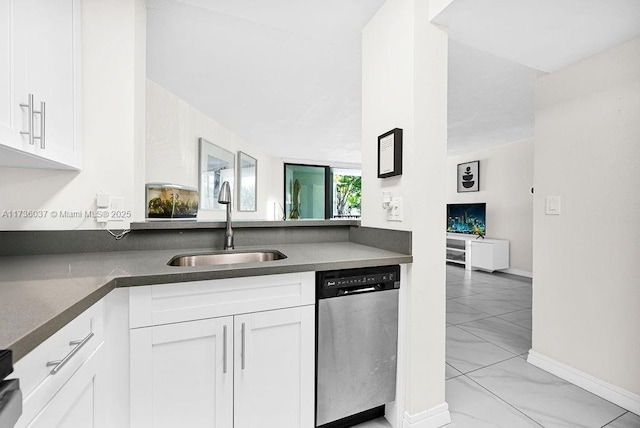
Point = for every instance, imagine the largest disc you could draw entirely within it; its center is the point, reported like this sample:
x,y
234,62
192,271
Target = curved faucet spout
x,y
225,198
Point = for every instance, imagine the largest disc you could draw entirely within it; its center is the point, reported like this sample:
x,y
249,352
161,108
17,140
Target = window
x,y
347,193
321,192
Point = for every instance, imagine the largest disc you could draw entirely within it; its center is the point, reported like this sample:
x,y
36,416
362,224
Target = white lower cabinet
x,y
62,379
247,369
182,375
228,353
78,403
275,369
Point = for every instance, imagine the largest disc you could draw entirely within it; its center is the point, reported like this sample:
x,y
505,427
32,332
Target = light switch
x,y
552,205
395,209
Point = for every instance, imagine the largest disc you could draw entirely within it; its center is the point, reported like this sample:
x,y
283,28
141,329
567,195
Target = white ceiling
x,y
286,74
491,100
497,48
542,34
282,74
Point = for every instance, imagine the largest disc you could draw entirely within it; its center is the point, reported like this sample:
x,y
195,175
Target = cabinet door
x,y
45,62
78,404
6,128
274,369
182,375
482,255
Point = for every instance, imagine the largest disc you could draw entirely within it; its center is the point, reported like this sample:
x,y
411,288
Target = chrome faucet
x,y
225,198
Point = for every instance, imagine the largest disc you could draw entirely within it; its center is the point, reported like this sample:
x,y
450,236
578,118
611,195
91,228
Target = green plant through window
x,y
348,195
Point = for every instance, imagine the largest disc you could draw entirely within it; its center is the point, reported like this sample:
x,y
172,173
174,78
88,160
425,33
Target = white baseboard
x,y
433,418
518,272
621,397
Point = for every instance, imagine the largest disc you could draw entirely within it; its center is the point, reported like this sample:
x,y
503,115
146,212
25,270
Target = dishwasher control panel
x,y
347,281
351,281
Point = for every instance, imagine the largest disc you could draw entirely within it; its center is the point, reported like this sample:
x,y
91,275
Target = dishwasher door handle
x,y
358,290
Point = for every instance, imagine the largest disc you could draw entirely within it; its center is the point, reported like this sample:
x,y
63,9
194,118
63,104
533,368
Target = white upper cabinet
x,y
5,75
40,83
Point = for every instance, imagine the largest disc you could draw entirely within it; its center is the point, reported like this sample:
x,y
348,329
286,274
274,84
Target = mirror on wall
x,y
217,165
247,182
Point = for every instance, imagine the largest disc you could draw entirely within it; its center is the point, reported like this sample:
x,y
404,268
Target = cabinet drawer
x,y
187,301
39,381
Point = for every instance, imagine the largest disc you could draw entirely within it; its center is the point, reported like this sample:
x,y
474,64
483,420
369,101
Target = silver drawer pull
x,y
58,364
243,351
224,349
29,107
43,121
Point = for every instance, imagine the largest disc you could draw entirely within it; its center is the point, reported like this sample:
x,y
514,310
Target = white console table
x,y
474,252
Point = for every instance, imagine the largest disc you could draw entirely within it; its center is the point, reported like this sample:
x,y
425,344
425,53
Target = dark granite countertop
x,y
40,294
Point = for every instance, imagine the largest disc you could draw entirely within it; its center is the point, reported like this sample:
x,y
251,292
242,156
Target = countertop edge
x,y
38,335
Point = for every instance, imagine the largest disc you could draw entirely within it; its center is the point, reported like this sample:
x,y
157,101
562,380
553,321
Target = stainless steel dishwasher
x,y
10,394
357,337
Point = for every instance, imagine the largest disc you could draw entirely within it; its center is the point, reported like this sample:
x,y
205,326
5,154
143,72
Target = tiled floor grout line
x,y
487,315
486,340
503,400
526,328
614,419
498,315
488,365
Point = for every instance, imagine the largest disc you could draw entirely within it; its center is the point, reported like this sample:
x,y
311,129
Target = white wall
x,y
586,293
173,130
405,86
506,179
112,69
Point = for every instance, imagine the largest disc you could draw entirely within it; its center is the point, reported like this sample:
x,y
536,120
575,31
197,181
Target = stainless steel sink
x,y
226,258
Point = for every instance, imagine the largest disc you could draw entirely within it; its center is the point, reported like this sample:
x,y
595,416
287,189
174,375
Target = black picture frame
x,y
390,153
468,177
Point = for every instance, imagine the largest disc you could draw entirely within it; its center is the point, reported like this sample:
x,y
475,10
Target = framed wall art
x,y
390,153
217,165
247,182
469,177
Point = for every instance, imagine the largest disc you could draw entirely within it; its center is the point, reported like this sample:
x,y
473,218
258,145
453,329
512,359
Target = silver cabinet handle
x,y
29,107
43,121
224,349
58,364
243,350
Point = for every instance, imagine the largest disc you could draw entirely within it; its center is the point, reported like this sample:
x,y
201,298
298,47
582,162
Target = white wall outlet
x,y
552,205
395,209
102,200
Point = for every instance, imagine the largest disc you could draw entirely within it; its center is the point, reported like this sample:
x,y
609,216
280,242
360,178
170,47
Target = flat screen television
x,y
467,218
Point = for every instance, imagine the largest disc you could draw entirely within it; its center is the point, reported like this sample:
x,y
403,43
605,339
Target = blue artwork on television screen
x,y
467,218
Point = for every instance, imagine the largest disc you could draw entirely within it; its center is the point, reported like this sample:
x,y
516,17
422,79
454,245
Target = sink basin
x,y
226,258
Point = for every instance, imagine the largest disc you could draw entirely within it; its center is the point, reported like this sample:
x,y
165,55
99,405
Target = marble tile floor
x,y
489,383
